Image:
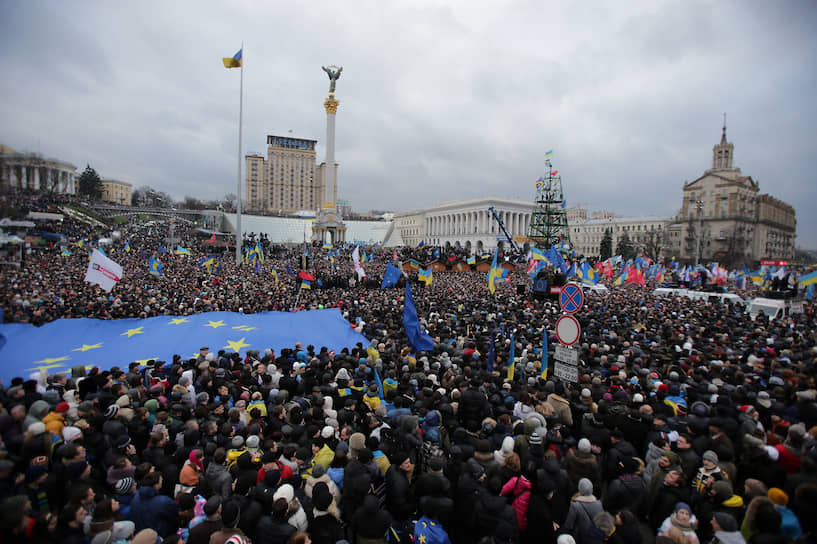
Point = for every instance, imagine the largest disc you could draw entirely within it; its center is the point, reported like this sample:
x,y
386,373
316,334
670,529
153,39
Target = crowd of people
x,y
690,421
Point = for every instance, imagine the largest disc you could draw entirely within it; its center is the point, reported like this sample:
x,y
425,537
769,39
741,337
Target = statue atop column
x,y
334,74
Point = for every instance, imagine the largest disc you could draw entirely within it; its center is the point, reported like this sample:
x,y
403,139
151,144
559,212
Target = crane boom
x,y
502,226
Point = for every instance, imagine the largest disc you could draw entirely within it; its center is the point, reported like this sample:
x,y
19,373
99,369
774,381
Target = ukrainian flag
x,y
234,61
306,284
493,274
207,262
127,246
182,250
549,153
274,275
156,267
537,255
327,246
65,252
808,279
472,260
426,276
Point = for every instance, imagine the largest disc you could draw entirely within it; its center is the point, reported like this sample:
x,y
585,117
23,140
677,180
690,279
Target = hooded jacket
x,y
518,487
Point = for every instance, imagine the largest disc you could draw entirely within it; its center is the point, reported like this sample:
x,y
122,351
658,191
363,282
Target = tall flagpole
x,y
238,175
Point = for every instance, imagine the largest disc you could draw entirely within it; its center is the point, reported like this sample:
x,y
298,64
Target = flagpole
x,y
238,175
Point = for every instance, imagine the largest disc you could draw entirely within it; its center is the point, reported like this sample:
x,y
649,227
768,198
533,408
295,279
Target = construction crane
x,y
502,226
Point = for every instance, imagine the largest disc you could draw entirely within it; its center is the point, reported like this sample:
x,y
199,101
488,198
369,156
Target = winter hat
x,y
710,455
778,496
212,504
318,470
565,539
585,487
37,428
586,393
722,489
70,433
727,522
286,491
327,432
112,411
535,439
584,445
62,407
682,506
672,456
123,486
237,442
122,442
252,442
638,398
398,457
321,497
507,445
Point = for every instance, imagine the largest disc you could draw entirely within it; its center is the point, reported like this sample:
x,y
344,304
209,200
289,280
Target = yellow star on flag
x,y
86,347
422,539
178,321
245,328
216,324
144,362
235,346
131,332
50,360
46,367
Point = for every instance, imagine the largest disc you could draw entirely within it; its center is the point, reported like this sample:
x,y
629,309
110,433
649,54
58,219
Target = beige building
x,y
410,225
117,192
287,180
34,172
647,234
723,217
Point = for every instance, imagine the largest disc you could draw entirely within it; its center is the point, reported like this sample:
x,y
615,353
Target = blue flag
x,y
379,384
290,271
156,267
60,345
545,354
417,337
391,276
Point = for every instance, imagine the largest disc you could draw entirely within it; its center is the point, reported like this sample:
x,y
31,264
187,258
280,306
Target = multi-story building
x,y
723,217
646,234
287,180
118,192
34,172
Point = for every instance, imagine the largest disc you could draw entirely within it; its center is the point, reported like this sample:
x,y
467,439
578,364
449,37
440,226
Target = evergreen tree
x,y
90,184
625,247
606,249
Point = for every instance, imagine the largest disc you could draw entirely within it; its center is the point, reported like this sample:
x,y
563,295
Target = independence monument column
x,y
329,226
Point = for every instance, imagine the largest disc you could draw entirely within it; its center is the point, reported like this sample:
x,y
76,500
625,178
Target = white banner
x,y
103,271
358,267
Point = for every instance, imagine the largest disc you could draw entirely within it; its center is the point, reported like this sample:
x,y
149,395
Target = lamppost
x,y
699,205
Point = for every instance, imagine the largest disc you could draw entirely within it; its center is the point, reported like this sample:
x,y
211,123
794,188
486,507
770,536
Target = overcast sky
x,y
440,101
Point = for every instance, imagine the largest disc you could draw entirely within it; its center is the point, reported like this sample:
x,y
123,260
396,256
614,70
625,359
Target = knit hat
x,y
672,456
638,398
682,506
586,393
726,521
710,455
318,470
70,433
122,442
62,407
565,539
252,442
778,496
327,432
398,457
584,445
286,491
722,489
35,471
237,442
535,439
321,497
585,487
112,411
123,486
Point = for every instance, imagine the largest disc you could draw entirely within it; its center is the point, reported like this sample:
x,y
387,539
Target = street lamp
x,y
699,205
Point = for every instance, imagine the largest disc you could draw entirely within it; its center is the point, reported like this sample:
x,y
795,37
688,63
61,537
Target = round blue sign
x,y
571,298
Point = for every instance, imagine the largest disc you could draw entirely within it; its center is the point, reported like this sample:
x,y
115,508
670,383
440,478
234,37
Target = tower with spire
x,y
723,152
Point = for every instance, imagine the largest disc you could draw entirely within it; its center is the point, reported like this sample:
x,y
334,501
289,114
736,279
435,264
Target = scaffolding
x,y
548,223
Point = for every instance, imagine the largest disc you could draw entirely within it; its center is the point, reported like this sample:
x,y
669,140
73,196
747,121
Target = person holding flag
x,y
494,273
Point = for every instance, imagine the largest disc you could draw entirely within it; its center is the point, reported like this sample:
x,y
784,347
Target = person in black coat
x,y
493,515
274,528
399,494
628,491
540,511
370,521
673,490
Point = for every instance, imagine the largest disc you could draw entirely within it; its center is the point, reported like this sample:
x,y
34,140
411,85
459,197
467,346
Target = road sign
x,y
571,298
568,330
555,290
566,355
568,373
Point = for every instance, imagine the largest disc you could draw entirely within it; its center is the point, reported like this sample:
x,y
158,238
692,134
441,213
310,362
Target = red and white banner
x,y
103,271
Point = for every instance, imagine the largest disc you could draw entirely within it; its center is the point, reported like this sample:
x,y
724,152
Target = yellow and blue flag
x,y
549,153
471,260
545,354
127,246
494,273
65,252
207,262
808,279
306,284
182,250
512,360
156,267
274,275
426,276
327,246
234,61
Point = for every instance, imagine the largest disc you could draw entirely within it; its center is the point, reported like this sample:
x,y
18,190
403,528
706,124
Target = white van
x,y
670,292
773,307
598,289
